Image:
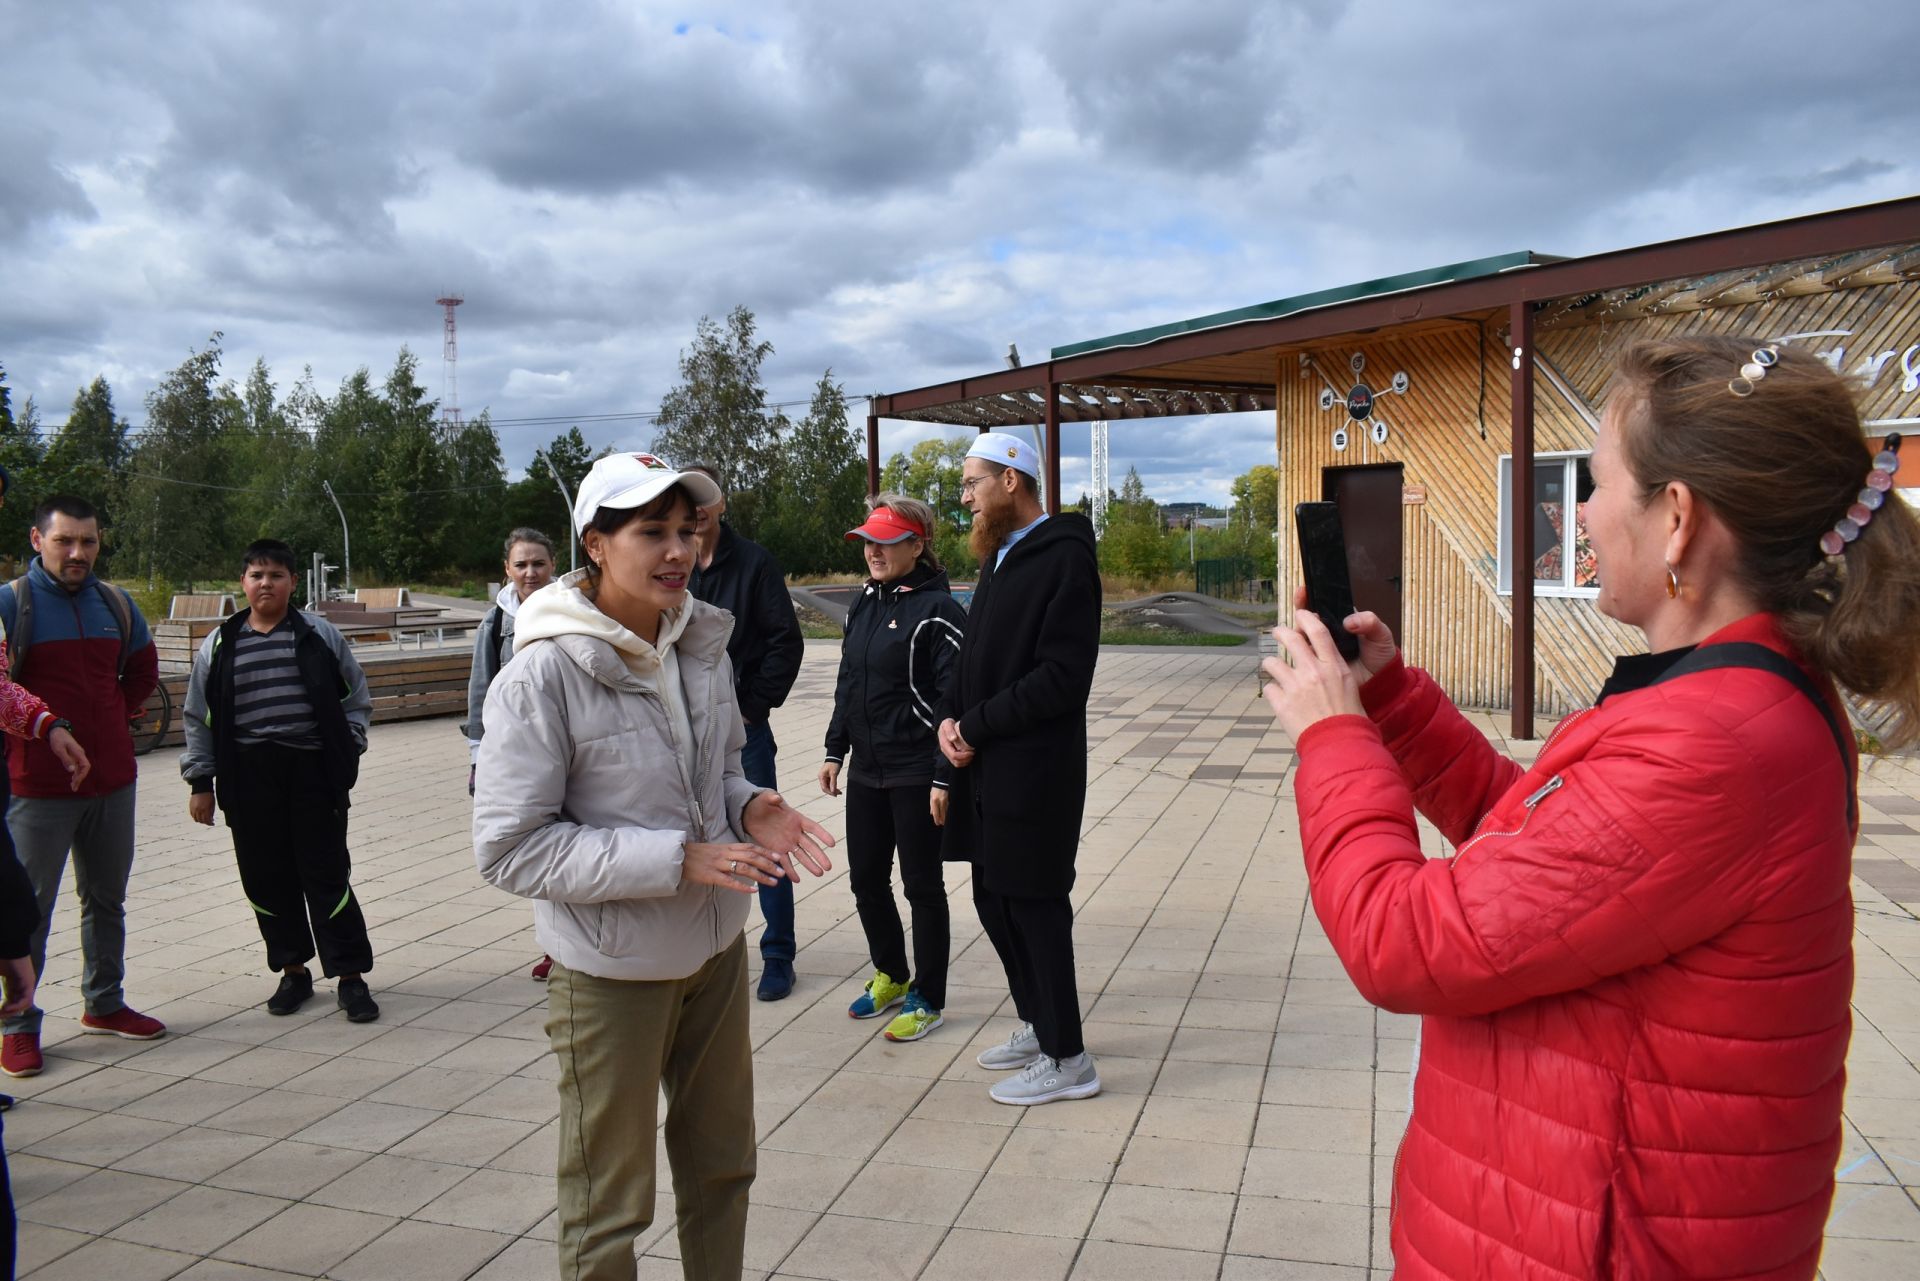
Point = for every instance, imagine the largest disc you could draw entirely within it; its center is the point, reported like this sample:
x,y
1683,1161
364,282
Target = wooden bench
x,y
383,598
201,606
404,687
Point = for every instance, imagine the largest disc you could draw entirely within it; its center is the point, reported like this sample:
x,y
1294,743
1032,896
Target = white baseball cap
x,y
634,480
1008,451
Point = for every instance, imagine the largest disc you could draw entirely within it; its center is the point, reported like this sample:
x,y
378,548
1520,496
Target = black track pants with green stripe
x,y
290,839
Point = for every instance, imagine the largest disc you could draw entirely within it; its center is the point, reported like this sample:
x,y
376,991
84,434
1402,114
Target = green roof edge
x,y
1307,302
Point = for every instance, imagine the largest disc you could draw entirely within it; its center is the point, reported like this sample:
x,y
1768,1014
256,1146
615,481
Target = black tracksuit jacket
x,y
895,667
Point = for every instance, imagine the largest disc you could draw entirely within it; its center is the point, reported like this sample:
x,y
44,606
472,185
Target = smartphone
x,y
1323,555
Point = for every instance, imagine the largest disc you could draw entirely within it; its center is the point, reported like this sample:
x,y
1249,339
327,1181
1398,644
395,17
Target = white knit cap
x,y
1008,451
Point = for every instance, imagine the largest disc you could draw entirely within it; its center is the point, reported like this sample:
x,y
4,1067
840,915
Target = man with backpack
x,y
82,646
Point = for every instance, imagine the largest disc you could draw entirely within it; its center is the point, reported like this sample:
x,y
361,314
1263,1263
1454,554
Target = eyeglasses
x,y
967,486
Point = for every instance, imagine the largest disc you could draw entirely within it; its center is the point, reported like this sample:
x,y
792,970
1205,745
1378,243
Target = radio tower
x,y
1102,477
450,356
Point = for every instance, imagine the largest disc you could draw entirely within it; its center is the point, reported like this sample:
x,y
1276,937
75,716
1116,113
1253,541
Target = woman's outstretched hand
x,y
1309,681
731,866
771,822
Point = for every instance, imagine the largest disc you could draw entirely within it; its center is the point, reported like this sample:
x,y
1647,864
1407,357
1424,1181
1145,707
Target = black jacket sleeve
x,y
839,737
945,628
779,664
19,911
1064,657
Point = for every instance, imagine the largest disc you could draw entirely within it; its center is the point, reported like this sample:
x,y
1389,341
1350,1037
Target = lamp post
x,y
346,541
573,539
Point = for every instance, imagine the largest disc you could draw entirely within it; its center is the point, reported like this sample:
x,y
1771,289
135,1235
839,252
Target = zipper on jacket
x,y
680,760
1551,786
1529,805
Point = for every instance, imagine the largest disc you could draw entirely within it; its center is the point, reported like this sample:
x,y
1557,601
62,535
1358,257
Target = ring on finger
x,y
733,866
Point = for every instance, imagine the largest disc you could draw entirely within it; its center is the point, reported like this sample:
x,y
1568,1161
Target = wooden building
x,y
1408,400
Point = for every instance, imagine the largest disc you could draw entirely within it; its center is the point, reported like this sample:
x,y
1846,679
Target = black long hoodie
x,y
1020,695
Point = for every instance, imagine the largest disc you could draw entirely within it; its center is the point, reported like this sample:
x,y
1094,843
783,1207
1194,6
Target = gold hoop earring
x,y
1673,584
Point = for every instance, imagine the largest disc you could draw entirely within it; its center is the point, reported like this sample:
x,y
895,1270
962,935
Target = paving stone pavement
x,y
1253,1102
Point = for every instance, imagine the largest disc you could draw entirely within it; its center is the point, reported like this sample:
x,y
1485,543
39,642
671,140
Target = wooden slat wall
x,y
1457,625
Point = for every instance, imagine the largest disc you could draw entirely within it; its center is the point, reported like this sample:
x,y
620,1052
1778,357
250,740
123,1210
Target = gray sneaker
x,y
1048,1080
1012,1054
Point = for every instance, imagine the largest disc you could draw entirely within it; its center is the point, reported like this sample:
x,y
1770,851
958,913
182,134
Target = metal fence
x,y
1231,578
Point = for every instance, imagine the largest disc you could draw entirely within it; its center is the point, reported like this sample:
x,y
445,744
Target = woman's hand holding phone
x,y
1377,646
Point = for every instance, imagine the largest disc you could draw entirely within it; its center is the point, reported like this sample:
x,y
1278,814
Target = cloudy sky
x,y
897,191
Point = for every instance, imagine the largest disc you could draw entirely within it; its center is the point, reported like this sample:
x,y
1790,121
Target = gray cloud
x,y
646,107
34,189
897,193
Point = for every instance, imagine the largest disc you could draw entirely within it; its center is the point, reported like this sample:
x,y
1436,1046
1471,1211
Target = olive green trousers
x,y
620,1044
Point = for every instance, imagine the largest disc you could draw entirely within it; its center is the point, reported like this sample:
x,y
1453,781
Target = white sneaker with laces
x,y
1012,1054
1047,1080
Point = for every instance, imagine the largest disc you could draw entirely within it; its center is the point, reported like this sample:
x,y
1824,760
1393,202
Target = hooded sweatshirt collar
x,y
609,652
508,599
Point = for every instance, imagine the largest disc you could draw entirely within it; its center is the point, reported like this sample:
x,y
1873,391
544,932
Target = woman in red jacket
x,y
1635,967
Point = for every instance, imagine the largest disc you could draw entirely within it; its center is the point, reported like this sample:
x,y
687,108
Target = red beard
x,y
989,531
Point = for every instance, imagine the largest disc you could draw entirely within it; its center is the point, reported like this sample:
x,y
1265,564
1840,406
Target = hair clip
x,y
1868,501
1762,359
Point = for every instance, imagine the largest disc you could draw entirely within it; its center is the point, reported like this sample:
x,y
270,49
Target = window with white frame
x,y
1563,563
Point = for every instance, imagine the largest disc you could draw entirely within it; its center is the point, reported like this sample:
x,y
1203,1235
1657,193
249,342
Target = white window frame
x,y
1565,458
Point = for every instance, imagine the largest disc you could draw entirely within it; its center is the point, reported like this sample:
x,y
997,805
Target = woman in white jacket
x,y
609,791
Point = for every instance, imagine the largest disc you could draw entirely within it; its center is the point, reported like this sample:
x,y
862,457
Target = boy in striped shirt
x,y
276,720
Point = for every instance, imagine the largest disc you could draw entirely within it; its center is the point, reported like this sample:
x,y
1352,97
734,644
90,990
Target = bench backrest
x,y
383,597
201,606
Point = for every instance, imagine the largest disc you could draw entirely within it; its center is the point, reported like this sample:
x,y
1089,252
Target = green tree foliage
x,y
1135,544
1256,497
175,521
20,452
218,464
818,488
717,413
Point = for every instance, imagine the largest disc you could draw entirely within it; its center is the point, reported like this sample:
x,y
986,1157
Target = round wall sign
x,y
1379,432
1360,402
1400,381
1340,440
1357,362
1327,398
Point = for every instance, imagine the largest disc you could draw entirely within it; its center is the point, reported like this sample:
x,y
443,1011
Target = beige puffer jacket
x,y
586,795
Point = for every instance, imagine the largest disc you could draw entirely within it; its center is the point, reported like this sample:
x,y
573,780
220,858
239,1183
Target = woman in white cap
x,y
610,792
895,667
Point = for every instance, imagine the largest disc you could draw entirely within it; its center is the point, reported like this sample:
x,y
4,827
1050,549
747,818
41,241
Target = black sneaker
x,y
292,993
357,1001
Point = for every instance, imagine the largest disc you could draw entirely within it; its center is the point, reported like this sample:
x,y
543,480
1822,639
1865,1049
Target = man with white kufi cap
x,y
1015,729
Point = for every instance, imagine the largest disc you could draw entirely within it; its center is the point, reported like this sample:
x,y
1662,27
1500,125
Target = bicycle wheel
x,y
155,719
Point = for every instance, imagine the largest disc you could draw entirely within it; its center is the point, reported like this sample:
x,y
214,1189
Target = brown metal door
x,y
1369,501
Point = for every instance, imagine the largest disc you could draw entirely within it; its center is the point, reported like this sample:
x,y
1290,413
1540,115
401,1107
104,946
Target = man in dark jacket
x,y
741,577
276,720
1015,728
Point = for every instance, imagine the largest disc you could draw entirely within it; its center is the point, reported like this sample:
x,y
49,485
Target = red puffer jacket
x,y
1635,974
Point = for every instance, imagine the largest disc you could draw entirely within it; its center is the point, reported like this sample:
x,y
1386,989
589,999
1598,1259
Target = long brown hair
x,y
1779,467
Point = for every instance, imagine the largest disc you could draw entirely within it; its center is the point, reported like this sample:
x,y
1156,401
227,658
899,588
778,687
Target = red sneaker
x,y
542,968
126,1022
20,1054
